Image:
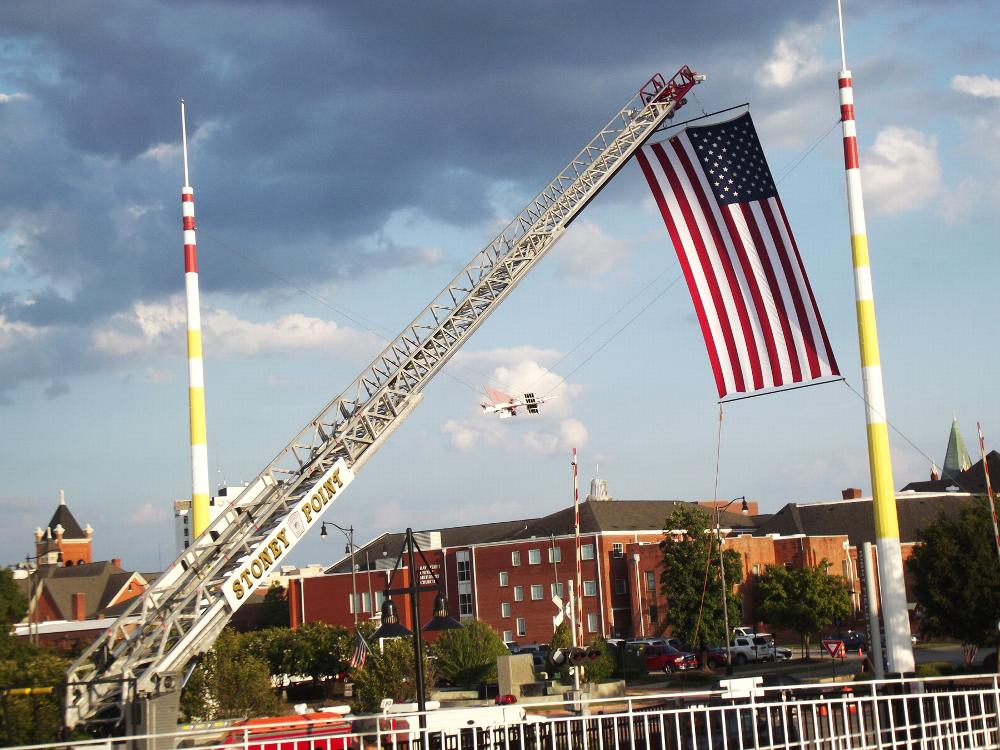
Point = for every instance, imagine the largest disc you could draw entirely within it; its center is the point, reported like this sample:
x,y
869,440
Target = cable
x,y
799,159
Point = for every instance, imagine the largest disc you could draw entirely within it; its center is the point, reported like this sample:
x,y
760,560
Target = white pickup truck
x,y
753,648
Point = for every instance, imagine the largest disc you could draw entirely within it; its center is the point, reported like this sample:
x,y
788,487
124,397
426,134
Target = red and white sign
x,y
834,648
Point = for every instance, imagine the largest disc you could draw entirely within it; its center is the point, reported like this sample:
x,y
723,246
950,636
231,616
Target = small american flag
x,y
757,311
360,652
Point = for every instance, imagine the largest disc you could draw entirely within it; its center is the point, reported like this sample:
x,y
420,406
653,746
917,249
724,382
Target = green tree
x,y
604,666
13,602
562,638
801,599
468,656
230,681
956,578
320,651
691,580
31,718
390,674
273,611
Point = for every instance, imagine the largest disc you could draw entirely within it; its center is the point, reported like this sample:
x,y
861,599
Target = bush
x,y
935,669
468,656
390,674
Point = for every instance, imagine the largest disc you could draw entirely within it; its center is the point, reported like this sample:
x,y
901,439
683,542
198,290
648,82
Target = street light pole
x,y
349,533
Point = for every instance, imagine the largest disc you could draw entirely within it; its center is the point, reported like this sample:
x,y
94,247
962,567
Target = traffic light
x,y
577,656
593,653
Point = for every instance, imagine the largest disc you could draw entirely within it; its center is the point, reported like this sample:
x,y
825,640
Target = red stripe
x,y
699,309
190,259
189,222
845,83
851,152
187,197
793,288
742,252
812,298
772,282
707,269
735,290
846,111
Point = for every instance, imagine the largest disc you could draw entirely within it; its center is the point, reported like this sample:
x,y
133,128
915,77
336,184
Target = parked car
x,y
716,655
854,639
667,659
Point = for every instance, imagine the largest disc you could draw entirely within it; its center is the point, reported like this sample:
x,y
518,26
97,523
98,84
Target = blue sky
x,y
349,158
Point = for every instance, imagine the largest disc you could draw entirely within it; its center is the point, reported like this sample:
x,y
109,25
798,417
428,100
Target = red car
x,y
668,659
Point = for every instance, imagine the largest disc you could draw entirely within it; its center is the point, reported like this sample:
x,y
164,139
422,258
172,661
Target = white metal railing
x,y
930,714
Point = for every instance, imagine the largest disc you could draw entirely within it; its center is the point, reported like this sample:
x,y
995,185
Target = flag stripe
x,y
700,261
756,308
699,308
747,336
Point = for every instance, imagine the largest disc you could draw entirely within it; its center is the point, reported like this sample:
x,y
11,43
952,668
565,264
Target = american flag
x,y
757,311
360,652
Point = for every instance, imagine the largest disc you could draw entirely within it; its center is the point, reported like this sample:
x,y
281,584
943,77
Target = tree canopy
x,y
801,599
956,578
390,674
691,578
468,656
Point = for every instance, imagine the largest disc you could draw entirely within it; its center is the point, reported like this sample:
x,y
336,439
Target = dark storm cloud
x,y
311,125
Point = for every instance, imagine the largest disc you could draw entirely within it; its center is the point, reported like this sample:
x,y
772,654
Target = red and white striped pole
x,y
579,568
892,591
196,374
989,489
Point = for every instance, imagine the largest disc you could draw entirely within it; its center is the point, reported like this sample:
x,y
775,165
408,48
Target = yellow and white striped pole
x,y
196,374
890,560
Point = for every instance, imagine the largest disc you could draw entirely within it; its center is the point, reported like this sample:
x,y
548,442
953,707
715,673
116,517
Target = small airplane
x,y
505,406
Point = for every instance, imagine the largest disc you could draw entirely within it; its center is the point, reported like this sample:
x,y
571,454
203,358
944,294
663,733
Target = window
x,y
557,589
379,598
590,588
464,566
586,551
519,593
555,555
654,613
515,557
592,622
620,586
650,581
504,578
366,601
537,591
505,609
352,602
618,549
534,556
522,628
756,569
465,605
508,636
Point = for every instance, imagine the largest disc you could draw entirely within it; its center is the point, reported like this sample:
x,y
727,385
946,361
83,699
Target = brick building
x,y
505,573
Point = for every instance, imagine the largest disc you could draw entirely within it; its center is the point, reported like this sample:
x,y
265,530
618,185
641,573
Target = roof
x,y
595,517
99,583
854,518
63,517
971,480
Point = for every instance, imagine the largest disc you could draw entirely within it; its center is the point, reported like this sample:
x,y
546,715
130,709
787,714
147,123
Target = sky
x,y
349,158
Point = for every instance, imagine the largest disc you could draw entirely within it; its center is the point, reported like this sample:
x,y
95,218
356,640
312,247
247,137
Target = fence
x,y
931,714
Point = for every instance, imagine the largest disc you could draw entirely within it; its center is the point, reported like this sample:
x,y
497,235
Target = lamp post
x,y
392,628
349,533
638,597
722,572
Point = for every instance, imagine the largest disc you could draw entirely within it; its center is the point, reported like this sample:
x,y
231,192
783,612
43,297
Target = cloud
x,y
553,430
7,98
981,86
148,514
901,171
795,56
159,327
588,254
56,389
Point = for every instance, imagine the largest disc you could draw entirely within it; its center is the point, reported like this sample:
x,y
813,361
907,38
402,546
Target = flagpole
x,y
196,374
989,488
578,624
890,560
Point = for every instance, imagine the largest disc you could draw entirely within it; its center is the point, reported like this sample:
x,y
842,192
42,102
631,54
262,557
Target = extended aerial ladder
x,y
140,661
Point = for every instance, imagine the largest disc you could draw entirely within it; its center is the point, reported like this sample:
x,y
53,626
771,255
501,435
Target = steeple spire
x,y
956,458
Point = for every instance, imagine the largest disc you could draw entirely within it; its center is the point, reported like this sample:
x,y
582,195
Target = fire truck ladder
x,y
142,656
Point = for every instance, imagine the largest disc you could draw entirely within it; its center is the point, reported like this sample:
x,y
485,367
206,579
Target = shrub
x,y
469,656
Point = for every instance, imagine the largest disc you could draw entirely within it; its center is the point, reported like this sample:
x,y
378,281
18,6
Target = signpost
x,y
565,611
835,648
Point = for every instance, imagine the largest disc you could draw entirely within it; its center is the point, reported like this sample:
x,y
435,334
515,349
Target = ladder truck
x,y
130,678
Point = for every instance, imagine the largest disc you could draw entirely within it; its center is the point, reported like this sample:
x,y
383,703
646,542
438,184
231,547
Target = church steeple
x,y
63,535
956,459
